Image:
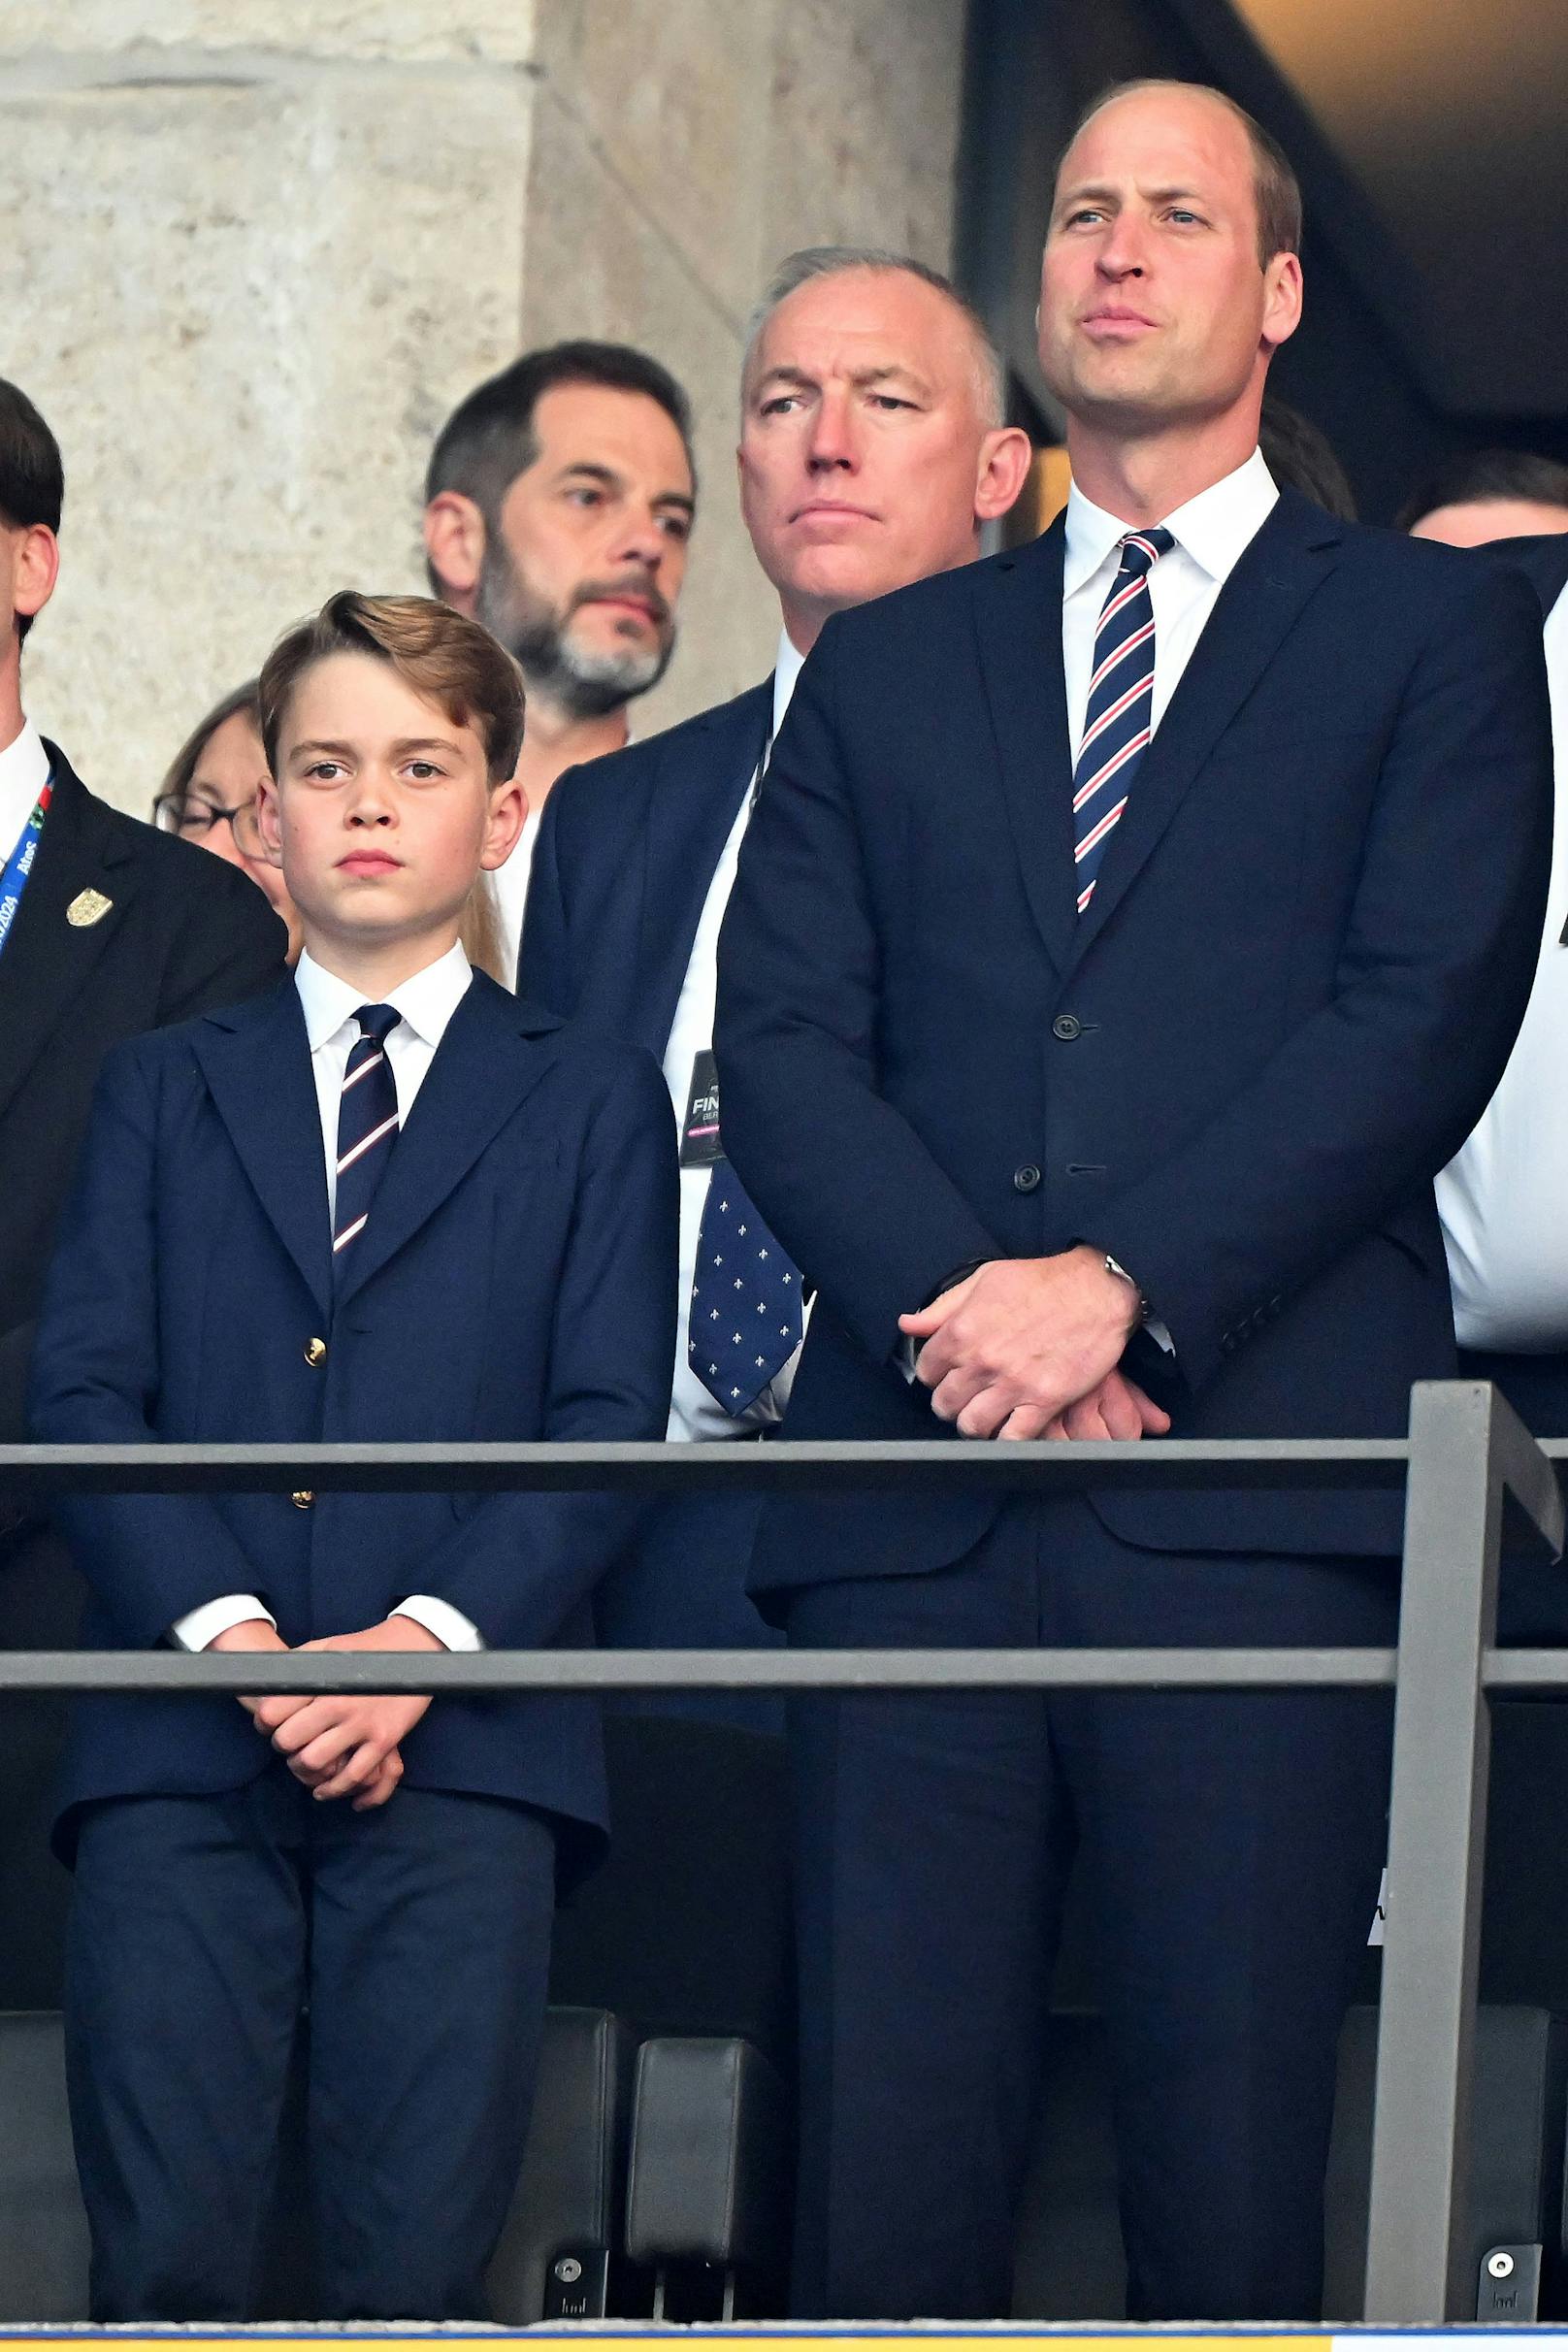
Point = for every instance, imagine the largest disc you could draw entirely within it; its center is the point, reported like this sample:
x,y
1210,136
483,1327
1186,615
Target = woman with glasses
x,y
208,796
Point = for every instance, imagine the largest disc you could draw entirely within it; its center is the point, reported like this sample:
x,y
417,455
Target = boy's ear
x,y
504,824
454,547
269,821
32,565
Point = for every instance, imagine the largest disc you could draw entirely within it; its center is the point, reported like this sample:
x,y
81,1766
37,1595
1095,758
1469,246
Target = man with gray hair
x,y
873,447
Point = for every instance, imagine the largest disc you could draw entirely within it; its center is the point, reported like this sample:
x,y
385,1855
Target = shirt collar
x,y
1214,528
786,669
426,1002
24,770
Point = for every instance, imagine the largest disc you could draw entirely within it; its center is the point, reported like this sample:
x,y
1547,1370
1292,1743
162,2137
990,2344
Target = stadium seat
x,y
568,2208
563,2232
709,2176
42,2227
1518,2121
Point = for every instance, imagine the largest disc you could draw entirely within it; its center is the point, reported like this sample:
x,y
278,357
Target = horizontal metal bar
x,y
498,1671
841,1467
1524,1670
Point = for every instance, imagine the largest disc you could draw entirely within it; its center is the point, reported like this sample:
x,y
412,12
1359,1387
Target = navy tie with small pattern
x,y
366,1128
747,1319
1119,718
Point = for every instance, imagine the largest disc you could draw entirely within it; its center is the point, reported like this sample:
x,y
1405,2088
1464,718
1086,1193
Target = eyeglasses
x,y
194,818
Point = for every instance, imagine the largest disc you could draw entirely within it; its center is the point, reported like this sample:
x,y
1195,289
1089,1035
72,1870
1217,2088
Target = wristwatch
x,y
1145,1311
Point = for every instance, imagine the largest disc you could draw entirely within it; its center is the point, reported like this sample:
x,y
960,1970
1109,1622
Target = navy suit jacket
x,y
627,848
1543,559
1297,982
515,1281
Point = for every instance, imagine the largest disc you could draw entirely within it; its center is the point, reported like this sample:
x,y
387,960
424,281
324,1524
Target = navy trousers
x,y
1234,1843
416,1937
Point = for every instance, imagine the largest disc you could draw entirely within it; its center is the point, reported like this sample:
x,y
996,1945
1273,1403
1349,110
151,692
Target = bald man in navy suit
x,y
874,449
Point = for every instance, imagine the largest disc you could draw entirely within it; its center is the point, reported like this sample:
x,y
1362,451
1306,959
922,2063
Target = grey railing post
x,y
1466,1449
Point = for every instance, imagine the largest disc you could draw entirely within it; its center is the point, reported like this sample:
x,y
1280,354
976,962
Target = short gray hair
x,y
798,270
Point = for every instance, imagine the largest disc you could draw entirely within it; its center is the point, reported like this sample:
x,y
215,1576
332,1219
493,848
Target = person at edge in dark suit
x,y
873,448
106,928
385,1201
1132,928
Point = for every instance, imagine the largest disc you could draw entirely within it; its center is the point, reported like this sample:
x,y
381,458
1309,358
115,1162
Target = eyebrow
x,y
404,745
862,376
1098,191
606,476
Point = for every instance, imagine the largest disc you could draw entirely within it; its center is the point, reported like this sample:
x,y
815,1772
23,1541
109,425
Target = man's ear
x,y
1006,457
269,821
454,547
1283,295
504,824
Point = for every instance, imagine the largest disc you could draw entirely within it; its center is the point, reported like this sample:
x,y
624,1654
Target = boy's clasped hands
x,y
341,1746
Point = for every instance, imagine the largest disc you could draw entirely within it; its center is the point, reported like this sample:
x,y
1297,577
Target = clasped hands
x,y
343,1747
1030,1347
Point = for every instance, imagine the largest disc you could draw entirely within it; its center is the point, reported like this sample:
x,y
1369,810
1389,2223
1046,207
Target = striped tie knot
x,y
1141,549
376,1022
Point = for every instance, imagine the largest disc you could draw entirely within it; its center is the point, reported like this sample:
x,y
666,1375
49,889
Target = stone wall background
x,y
256,250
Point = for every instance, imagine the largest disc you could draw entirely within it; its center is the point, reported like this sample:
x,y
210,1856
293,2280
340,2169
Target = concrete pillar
x,y
256,248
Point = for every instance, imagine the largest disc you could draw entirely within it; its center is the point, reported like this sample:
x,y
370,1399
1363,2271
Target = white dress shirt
x,y
693,1412
25,769
1504,1198
509,883
1212,533
427,1004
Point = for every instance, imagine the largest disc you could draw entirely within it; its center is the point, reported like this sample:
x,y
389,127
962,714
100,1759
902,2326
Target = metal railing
x,y
1466,1462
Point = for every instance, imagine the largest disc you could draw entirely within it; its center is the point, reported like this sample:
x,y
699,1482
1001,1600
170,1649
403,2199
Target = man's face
x,y
381,814
581,577
1476,522
1154,307
864,444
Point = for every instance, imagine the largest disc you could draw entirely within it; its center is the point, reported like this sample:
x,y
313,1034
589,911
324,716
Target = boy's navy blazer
x,y
627,849
1307,956
515,1282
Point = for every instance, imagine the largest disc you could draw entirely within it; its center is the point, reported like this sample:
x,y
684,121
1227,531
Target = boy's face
x,y
382,814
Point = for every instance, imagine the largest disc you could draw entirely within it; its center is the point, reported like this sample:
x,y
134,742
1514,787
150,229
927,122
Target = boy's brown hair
x,y
441,654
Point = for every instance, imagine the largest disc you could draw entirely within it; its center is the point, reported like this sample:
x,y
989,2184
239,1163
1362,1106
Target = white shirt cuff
x,y
199,1627
450,1627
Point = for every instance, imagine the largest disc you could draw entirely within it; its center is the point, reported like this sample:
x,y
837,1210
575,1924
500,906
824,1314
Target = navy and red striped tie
x,y
367,1126
1118,719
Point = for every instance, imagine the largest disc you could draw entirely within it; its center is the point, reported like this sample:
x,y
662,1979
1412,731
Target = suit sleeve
x,y
544,970
519,1564
1377,1090
841,1177
230,947
149,1559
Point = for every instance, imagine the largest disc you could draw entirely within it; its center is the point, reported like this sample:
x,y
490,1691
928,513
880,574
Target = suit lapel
x,y
693,800
1255,609
256,1063
46,958
494,1052
1018,618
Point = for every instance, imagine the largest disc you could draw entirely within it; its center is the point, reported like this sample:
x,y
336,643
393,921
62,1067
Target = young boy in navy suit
x,y
387,1201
